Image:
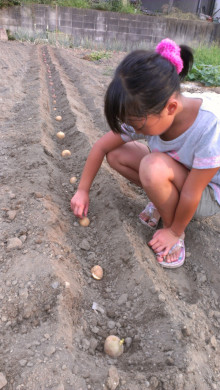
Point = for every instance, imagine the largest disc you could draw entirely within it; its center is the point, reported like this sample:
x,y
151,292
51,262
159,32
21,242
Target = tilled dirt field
x,y
50,335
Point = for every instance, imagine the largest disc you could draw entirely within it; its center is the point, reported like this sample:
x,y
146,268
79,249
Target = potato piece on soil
x,y
66,153
84,221
73,180
97,272
60,134
113,346
58,118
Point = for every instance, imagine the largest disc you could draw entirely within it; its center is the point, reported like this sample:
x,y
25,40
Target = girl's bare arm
x,y
108,142
190,197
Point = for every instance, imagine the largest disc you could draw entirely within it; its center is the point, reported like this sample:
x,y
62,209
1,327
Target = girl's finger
x,y
86,210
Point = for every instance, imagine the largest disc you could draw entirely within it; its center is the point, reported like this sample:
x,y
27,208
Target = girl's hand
x,y
163,240
80,203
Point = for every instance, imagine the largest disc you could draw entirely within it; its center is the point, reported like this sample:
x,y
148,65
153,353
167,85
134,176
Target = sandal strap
x,y
179,244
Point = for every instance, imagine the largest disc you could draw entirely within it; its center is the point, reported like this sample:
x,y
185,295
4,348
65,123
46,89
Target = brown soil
x,y
51,337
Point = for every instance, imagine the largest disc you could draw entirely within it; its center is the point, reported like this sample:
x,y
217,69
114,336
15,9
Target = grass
x,y
110,5
97,55
206,68
208,55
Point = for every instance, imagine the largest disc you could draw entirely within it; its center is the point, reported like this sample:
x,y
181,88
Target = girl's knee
x,y
153,169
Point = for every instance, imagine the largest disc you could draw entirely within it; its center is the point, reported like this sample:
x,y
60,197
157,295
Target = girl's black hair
x,y
142,85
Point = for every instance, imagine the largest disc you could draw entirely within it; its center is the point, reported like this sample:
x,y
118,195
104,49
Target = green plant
x,y
73,3
98,55
11,37
206,74
9,3
209,55
206,68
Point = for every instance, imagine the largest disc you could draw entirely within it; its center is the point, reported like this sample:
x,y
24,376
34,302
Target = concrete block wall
x,y
103,27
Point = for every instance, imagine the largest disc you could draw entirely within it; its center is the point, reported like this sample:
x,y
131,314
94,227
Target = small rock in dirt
x,y
12,196
154,382
170,361
111,313
14,243
202,278
84,245
161,298
3,380
111,324
59,387
55,285
95,329
38,195
93,345
23,238
113,378
123,299
186,331
22,362
128,341
85,344
213,342
12,214
50,351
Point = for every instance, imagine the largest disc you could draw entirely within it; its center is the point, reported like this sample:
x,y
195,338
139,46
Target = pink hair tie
x,y
171,51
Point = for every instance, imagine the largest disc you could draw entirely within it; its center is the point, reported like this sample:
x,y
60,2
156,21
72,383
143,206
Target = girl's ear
x,y
172,106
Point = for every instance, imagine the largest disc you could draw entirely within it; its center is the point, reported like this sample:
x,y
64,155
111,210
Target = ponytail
x,y
187,57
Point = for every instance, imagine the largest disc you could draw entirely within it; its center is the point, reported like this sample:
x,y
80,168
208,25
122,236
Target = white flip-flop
x,y
149,211
181,258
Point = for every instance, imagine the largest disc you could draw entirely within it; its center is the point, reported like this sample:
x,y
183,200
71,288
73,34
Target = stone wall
x,y
99,26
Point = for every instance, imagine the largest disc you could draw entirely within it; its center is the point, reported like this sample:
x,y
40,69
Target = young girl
x,y
179,169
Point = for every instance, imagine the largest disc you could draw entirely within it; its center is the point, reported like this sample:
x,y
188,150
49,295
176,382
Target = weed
x,y
206,68
98,55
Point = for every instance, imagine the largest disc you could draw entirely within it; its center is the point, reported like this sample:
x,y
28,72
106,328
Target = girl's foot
x,y
150,216
175,257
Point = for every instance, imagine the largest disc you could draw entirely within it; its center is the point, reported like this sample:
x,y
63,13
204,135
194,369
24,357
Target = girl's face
x,y
152,125
155,124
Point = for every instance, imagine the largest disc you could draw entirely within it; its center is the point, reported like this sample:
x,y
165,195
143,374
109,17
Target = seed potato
x,y
97,272
73,180
113,346
84,221
66,153
60,134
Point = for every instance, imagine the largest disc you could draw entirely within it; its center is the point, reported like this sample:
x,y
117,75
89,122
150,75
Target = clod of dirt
x,y
113,378
14,243
3,380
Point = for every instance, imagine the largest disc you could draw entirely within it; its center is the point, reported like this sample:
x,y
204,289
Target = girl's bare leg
x,y
162,179
126,160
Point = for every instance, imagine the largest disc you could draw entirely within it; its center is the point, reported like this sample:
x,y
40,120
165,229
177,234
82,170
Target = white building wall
x,y
217,7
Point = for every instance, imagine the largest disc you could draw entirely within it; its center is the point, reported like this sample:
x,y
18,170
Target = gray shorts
x,y
208,205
